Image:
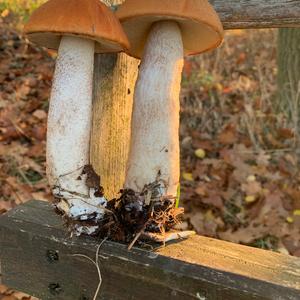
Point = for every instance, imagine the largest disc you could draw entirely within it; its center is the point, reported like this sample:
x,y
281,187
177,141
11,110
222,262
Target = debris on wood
x,y
149,215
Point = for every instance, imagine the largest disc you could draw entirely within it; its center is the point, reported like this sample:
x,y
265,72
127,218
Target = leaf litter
x,y
246,187
240,163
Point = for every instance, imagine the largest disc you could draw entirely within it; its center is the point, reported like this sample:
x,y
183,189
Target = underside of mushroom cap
x,y
89,19
200,25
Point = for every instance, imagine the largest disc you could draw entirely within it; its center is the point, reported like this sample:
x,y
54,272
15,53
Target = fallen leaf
x,y
5,13
251,178
9,298
200,153
250,199
252,188
188,176
227,137
3,288
40,114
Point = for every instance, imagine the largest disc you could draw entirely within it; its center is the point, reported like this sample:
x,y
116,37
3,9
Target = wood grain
x,y
114,82
36,257
257,13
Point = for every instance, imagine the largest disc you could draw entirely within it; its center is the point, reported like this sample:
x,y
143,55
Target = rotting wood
x,y
36,257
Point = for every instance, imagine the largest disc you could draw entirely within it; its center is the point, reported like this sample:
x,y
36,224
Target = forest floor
x,y
240,171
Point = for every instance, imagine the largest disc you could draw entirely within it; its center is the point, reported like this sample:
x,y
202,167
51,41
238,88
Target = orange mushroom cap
x,y
200,25
89,19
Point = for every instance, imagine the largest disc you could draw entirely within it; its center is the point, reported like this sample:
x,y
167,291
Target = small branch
x,y
137,237
96,264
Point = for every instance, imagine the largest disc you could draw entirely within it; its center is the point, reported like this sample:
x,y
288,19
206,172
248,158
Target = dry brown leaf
x,y
228,137
40,114
3,288
11,297
251,188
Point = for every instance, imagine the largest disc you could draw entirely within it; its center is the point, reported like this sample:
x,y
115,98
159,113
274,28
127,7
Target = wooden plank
x,y
36,257
258,13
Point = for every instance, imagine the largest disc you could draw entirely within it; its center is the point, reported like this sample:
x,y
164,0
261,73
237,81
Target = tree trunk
x,y
114,81
289,73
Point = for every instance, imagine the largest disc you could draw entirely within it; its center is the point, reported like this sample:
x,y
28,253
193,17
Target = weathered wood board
x,y
36,257
258,13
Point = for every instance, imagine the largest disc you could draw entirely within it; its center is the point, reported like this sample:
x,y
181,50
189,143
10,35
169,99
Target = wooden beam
x,y
258,13
37,257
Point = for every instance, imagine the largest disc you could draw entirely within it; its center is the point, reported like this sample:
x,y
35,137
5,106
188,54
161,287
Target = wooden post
x,y
114,81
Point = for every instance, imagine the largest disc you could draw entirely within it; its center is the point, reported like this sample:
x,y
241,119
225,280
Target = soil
x,y
134,215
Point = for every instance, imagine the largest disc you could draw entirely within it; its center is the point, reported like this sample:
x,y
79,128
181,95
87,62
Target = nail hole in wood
x,y
54,288
52,256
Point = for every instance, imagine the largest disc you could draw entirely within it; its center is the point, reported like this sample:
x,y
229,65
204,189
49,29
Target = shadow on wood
x,y
36,257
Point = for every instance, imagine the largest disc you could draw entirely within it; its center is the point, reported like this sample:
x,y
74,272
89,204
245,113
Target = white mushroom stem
x,y
69,126
154,148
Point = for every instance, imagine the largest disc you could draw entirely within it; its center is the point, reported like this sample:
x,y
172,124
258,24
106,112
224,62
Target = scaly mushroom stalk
x,y
69,126
161,32
77,29
154,148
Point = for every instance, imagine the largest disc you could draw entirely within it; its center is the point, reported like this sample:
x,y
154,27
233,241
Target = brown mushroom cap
x,y
88,19
200,25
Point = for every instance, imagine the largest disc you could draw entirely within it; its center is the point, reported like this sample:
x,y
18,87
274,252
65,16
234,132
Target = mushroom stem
x,y
154,149
69,126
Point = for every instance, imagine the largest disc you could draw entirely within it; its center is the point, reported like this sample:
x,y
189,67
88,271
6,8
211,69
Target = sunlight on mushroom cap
x,y
89,19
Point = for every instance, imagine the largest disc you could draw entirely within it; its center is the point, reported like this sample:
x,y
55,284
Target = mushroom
x,y
162,32
77,29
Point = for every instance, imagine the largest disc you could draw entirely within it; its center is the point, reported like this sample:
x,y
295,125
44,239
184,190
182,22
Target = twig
x,y
12,188
24,177
96,264
69,173
98,269
20,130
137,236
